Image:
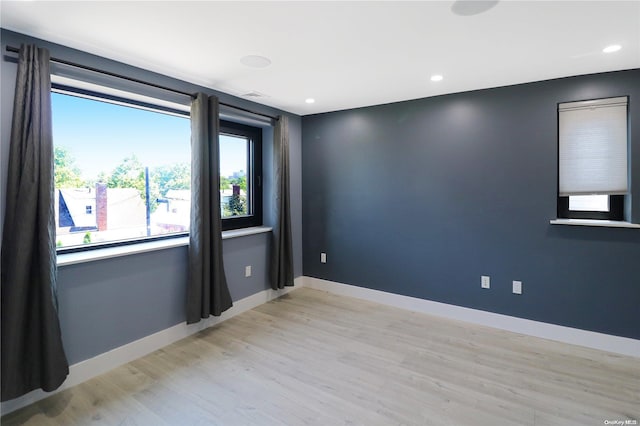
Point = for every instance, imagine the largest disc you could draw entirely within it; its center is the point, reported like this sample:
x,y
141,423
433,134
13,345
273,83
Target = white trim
x,y
107,361
147,246
243,232
593,103
574,336
594,222
162,97
118,251
114,358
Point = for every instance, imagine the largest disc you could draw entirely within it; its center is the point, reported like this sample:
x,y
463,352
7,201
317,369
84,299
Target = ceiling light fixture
x,y
310,100
255,61
436,77
612,48
254,94
471,7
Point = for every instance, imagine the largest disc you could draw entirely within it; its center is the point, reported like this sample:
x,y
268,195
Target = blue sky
x,y
100,135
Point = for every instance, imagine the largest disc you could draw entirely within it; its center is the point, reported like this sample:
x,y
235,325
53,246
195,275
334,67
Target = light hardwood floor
x,y
315,358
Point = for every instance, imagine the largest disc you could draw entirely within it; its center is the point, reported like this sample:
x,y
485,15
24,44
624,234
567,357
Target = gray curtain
x,y
32,352
207,291
281,250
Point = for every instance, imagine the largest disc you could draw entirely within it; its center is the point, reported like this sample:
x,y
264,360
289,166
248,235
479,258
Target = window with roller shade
x,y
593,172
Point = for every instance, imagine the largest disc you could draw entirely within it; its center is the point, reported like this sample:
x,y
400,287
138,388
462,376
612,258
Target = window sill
x,y
145,247
594,222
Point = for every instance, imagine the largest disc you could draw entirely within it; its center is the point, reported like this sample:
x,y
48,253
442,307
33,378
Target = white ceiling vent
x,y
254,94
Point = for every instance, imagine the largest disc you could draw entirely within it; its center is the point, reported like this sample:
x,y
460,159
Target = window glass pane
x,y
590,203
234,161
120,172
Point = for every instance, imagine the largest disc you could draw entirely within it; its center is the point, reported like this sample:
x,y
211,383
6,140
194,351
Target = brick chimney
x,y
101,206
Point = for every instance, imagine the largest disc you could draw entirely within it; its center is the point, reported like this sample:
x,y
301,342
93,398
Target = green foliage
x,y
237,205
240,181
130,174
66,173
102,177
174,176
225,183
87,238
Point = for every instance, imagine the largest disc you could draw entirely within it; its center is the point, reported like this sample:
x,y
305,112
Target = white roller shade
x,y
593,147
77,78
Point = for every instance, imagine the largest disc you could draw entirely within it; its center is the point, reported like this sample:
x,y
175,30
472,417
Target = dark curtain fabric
x,y
32,352
207,291
281,250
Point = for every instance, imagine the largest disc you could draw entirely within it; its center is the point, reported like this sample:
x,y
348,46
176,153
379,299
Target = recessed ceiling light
x,y
436,77
255,61
471,7
612,48
309,100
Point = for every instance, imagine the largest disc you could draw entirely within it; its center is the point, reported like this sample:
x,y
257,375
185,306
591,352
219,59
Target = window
x,y
122,170
593,172
240,175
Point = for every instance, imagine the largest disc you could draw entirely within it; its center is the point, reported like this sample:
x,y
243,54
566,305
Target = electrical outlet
x,y
517,287
323,257
485,281
247,271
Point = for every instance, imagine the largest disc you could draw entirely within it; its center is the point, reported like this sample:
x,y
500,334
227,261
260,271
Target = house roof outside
x,y
179,194
124,207
81,205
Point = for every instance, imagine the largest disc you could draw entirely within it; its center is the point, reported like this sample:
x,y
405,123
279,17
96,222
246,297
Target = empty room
x,y
320,213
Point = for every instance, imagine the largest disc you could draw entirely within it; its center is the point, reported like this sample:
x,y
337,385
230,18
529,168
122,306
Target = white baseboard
x,y
107,361
574,336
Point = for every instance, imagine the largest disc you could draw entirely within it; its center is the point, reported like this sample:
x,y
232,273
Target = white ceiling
x,y
343,54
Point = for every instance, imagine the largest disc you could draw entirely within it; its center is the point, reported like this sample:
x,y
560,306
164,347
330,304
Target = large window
x,y
593,161
240,175
122,172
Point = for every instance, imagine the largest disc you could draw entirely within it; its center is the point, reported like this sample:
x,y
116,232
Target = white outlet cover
x,y
323,257
517,287
485,281
247,271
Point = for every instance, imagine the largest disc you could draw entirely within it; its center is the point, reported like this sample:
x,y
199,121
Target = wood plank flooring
x,y
312,358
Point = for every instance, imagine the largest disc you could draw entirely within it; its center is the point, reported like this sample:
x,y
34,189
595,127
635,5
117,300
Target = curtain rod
x,y
135,80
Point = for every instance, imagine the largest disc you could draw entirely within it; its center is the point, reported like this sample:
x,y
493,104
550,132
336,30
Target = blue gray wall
x,y
108,303
421,198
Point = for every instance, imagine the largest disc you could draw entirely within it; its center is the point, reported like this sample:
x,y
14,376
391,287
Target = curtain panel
x,y
281,250
32,353
207,290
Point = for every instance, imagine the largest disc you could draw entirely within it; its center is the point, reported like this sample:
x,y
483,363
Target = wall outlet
x,y
323,257
485,281
517,287
247,271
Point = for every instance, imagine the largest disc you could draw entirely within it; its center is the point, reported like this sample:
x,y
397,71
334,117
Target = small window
x,y
593,172
589,203
240,175
122,170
